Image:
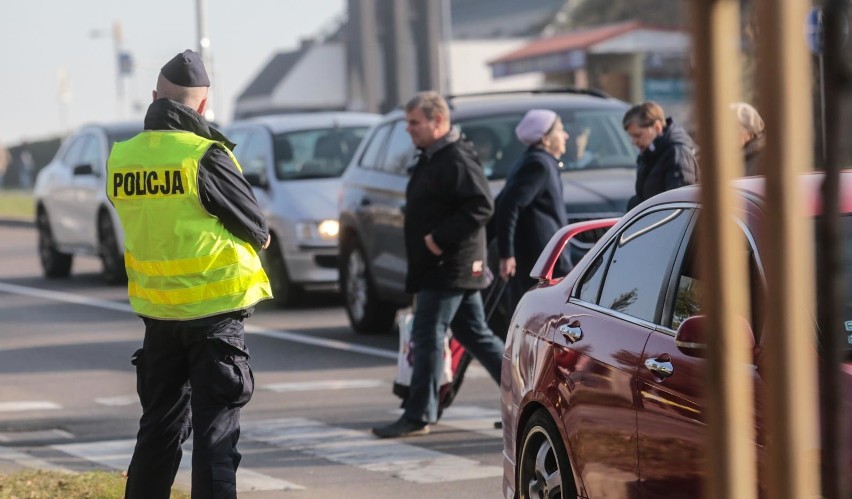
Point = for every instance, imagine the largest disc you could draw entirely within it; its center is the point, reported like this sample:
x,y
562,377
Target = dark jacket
x,y
670,165
530,209
751,154
447,196
223,190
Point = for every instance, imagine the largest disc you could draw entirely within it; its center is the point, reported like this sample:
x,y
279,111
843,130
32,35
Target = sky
x,y
48,42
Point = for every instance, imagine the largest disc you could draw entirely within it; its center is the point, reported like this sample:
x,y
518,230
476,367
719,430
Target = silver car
x,y
294,163
73,215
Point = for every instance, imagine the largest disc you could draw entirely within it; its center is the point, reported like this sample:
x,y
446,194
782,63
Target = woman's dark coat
x,y
530,209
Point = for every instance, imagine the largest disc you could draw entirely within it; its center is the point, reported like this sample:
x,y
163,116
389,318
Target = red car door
x,y
670,417
595,377
597,347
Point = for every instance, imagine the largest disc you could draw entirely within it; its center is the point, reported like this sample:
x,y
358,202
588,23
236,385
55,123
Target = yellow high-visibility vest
x,y
181,261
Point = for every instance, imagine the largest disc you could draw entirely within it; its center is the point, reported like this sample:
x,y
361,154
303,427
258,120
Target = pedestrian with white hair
x,y
751,134
530,209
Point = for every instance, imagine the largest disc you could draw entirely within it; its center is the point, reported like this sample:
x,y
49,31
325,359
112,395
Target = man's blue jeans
x,y
434,312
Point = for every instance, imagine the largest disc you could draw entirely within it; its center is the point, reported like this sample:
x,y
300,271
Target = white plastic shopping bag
x,y
405,357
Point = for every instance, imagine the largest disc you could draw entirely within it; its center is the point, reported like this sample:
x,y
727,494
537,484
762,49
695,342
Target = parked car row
x,y
332,188
293,162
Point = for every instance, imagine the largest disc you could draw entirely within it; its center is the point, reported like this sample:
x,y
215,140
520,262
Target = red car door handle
x,y
661,368
571,333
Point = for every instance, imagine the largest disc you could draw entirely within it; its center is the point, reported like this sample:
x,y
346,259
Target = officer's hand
x,y
430,243
268,240
507,267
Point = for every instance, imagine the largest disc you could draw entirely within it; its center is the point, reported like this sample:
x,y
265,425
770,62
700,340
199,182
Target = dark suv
x,y
598,179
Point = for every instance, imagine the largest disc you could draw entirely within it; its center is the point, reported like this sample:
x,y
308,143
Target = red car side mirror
x,y
691,337
543,268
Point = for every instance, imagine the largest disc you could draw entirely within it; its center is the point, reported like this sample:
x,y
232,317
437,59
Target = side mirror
x,y
691,337
543,268
84,169
256,179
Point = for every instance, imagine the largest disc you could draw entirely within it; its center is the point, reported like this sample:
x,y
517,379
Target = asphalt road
x,y
67,396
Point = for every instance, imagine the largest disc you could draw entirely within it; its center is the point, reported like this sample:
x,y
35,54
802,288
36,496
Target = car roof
x,y
278,123
463,106
475,105
119,128
755,187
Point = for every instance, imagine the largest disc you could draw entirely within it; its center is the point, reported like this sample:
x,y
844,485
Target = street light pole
x,y
118,41
122,62
204,50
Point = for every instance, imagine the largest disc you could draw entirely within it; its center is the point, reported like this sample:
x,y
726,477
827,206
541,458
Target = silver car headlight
x,y
317,232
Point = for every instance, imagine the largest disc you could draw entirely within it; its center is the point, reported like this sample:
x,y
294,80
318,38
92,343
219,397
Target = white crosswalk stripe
x,y
118,401
34,435
357,448
472,418
116,454
362,450
28,461
339,384
28,405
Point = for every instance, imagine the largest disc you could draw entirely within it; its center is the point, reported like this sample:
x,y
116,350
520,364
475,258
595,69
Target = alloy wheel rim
x,y
540,474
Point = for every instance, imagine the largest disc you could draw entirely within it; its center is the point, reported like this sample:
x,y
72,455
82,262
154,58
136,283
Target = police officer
x,y
192,229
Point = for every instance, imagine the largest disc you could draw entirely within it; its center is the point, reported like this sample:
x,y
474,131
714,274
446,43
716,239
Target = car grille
x,y
326,261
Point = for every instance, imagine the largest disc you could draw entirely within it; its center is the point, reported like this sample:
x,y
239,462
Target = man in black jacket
x,y
667,153
448,202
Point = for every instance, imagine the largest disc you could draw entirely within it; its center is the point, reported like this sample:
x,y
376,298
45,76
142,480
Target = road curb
x,y
17,222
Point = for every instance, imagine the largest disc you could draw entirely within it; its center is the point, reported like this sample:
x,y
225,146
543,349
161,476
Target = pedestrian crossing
x,y
362,450
116,455
402,459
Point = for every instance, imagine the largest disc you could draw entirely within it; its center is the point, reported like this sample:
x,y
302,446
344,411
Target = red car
x,y
598,399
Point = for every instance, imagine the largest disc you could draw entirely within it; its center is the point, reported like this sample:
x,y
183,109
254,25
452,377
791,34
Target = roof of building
x,y
573,40
502,18
568,51
272,74
288,82
315,80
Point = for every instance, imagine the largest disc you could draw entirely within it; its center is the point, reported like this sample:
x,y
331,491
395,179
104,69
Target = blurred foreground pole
x,y
829,284
729,407
446,45
784,73
204,52
362,57
428,41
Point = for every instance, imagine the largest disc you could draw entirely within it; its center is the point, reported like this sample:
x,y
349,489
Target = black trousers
x,y
190,376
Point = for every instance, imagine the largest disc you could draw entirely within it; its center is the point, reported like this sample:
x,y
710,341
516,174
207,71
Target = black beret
x,y
186,70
